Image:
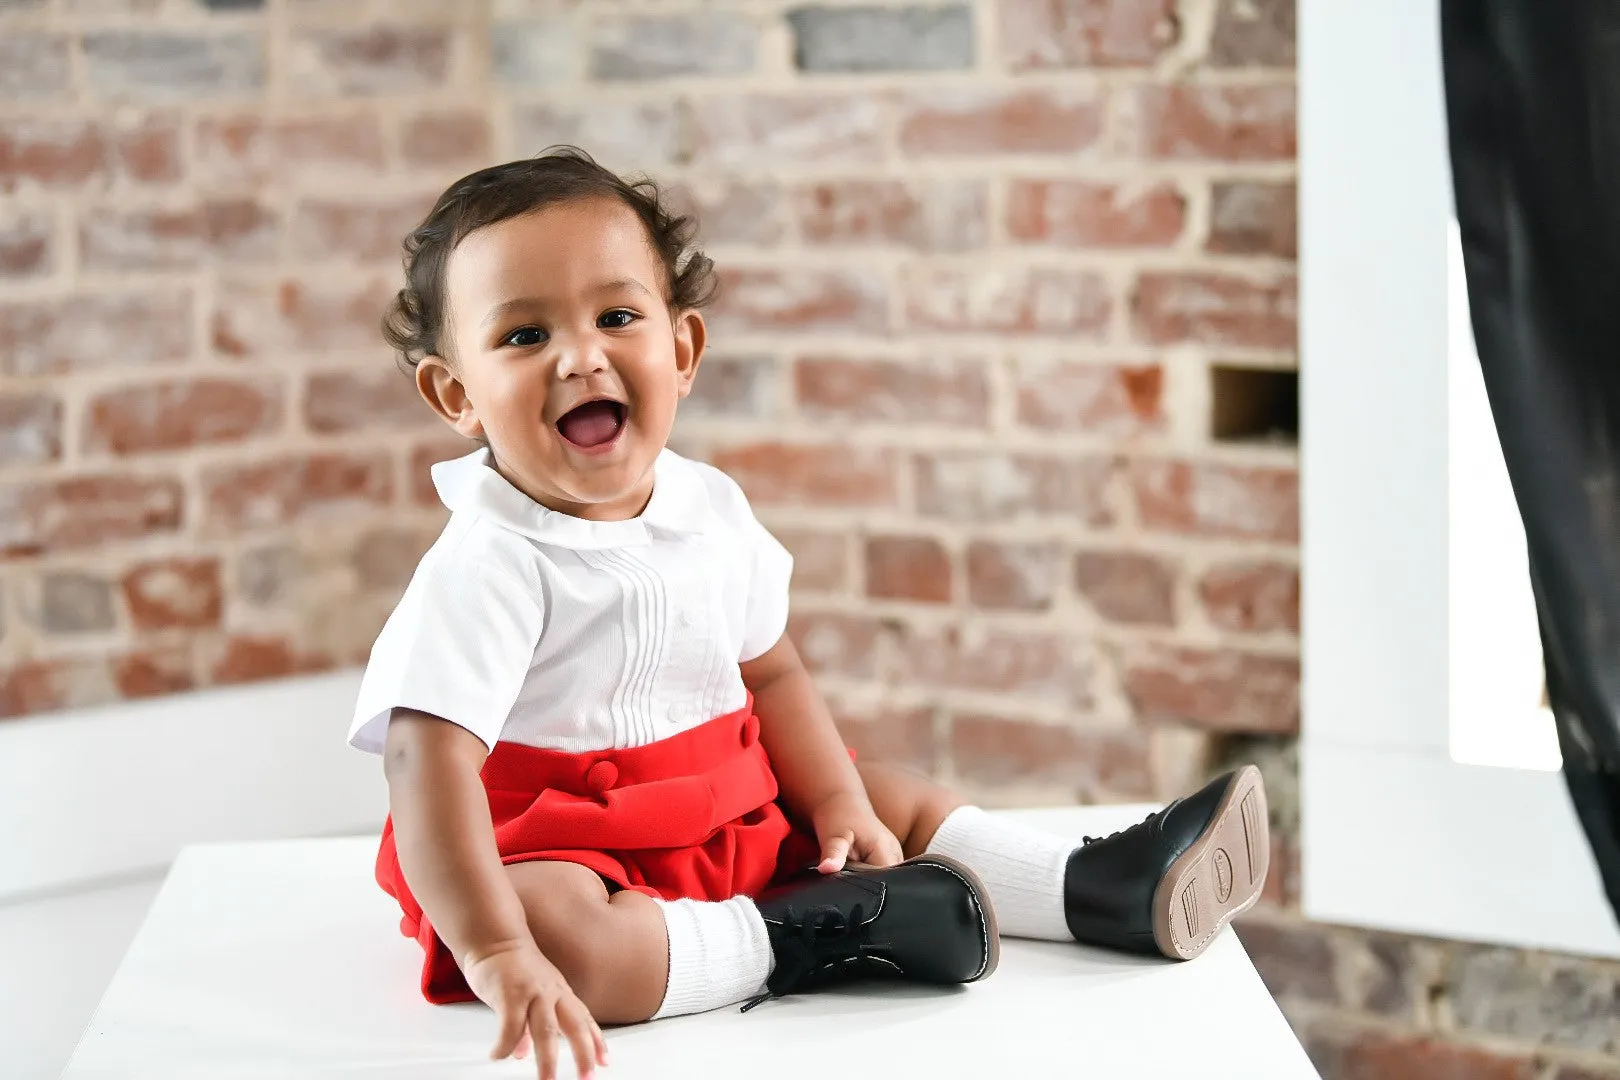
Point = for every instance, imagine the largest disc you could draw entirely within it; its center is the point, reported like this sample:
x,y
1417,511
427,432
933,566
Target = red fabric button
x,y
750,730
602,776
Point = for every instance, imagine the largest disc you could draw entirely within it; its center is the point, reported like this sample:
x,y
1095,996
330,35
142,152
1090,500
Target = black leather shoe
x,y
1168,885
926,919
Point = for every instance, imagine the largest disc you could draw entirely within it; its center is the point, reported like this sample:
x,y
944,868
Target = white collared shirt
x,y
530,626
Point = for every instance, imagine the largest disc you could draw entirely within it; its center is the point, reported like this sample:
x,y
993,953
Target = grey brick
x,y
537,52
619,134
882,38
702,43
33,66
744,387
73,603
159,66
1560,1002
232,5
1253,33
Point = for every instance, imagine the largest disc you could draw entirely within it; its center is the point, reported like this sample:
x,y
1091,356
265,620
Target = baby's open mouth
x,y
592,424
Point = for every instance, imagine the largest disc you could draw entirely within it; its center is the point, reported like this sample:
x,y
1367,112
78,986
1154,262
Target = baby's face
x,y
567,358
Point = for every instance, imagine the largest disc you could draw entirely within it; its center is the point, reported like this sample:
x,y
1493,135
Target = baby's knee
x,y
570,921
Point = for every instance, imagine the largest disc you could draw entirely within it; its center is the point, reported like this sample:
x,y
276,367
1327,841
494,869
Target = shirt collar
x,y
679,504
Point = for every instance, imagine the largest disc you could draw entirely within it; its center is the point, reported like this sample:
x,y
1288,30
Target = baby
x,y
615,792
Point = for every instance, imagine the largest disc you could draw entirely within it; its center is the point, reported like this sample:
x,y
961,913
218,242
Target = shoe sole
x,y
987,914
1220,875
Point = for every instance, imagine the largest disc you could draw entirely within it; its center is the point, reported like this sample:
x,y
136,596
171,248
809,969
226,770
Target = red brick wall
x,y
982,259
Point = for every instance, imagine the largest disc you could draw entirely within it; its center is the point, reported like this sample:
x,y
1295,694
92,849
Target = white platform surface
x,y
283,959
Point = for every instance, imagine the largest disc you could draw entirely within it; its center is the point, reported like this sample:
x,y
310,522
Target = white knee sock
x,y
1021,867
719,954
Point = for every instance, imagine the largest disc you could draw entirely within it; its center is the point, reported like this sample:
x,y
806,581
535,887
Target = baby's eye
x,y
617,319
525,337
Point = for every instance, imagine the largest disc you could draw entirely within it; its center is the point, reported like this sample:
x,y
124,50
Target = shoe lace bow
x,y
816,943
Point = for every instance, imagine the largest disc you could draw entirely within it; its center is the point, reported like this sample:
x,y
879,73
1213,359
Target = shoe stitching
x,y
978,911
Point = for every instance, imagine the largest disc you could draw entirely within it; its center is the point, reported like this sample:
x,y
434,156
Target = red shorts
x,y
693,816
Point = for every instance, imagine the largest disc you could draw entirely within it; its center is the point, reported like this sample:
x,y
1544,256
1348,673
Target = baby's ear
x,y
691,335
442,389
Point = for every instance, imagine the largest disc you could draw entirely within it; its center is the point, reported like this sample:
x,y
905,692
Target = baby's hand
x,y
536,1008
848,829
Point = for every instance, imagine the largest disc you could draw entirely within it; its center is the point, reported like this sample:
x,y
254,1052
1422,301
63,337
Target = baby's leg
x,y
631,958
1166,886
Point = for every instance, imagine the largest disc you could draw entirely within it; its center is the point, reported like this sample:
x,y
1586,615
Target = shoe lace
x,y
814,942
1087,841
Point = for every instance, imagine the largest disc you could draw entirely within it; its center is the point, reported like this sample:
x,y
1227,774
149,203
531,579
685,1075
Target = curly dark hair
x,y
414,321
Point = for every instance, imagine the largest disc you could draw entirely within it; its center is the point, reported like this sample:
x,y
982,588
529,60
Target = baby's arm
x,y
442,830
816,778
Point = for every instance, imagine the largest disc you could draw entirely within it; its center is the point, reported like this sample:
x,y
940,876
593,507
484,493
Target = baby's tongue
x,y
592,424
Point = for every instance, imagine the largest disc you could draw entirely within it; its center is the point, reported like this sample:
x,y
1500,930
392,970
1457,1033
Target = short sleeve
x,y
459,646
770,573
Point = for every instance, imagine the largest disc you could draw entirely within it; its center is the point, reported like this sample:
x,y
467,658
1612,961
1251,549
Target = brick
x,y
1372,1055
34,66
1003,300
72,602
1043,665
536,51
442,446
944,215
1045,34
258,319
733,211
988,486
80,682
1012,577
169,594
331,486
1379,973
30,429
90,331
833,644
1075,213
1127,587
52,153
27,245
1578,1072
86,511
385,558
265,575
368,61
740,132
250,148
218,230
1101,766
179,414
358,401
889,734
1215,690
1565,1002
745,387
913,568
1251,597
1096,399
146,148
1203,499
1254,217
820,559
775,474
1253,33
947,392
1216,309
452,137
354,229
172,66
622,135
247,658
1220,123
870,38
1281,889
1297,961
969,123
761,300
663,46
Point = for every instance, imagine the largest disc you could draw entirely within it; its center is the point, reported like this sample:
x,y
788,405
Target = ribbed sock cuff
x,y
719,954
1021,867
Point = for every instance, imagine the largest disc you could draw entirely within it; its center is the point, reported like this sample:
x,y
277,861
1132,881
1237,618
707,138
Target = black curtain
x,y
1533,101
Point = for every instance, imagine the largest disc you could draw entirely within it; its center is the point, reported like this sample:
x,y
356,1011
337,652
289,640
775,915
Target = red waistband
x,y
670,793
